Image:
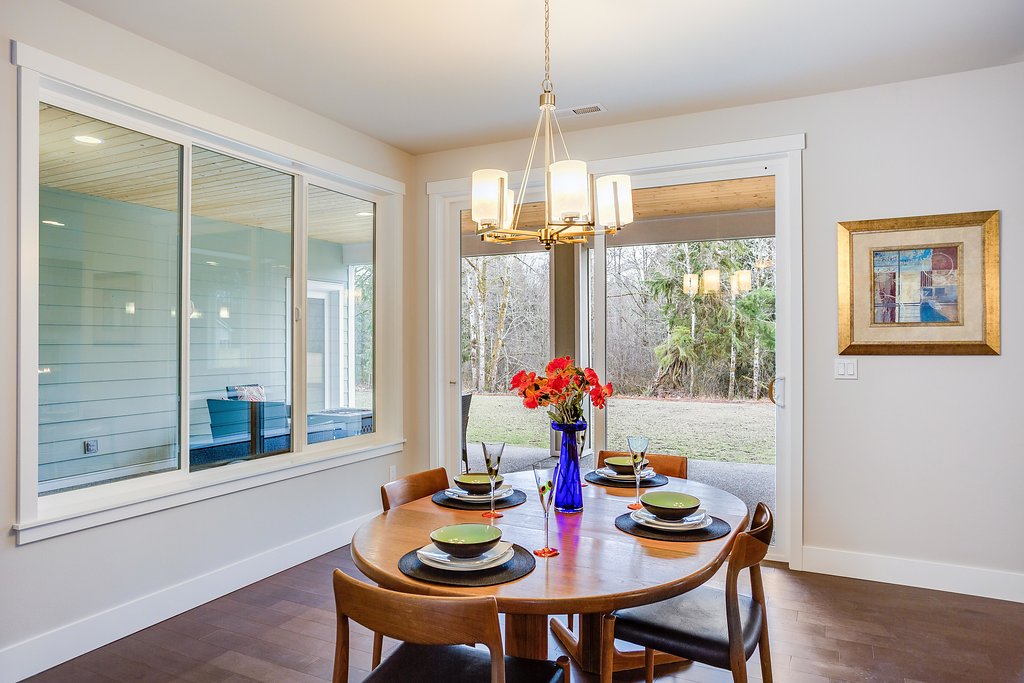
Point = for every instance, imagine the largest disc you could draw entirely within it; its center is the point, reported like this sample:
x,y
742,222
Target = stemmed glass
x,y
638,455
492,458
545,479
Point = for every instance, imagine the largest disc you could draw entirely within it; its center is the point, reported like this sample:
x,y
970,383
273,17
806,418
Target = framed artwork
x,y
920,285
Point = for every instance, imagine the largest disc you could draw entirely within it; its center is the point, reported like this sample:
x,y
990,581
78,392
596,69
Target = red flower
x,y
558,364
530,402
591,377
519,379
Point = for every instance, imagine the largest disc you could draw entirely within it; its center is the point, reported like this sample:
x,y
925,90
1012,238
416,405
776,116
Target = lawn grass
x,y
726,431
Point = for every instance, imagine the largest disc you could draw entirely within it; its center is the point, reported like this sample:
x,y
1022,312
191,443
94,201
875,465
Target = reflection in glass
x,y
109,226
241,259
339,318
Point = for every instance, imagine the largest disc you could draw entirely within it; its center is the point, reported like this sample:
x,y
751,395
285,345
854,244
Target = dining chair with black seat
x,y
707,625
399,492
437,633
669,465
413,487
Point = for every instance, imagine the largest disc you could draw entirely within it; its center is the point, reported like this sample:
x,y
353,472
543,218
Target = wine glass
x,y
638,455
545,479
492,458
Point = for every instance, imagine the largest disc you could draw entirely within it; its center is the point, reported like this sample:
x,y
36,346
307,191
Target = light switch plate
x,y
846,368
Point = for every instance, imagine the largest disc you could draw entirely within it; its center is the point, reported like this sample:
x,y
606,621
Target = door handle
x,y
778,398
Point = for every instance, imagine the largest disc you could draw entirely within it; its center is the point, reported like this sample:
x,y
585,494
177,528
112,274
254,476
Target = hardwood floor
x,y
822,629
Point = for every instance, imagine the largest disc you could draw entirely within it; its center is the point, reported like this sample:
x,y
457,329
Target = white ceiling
x,y
428,76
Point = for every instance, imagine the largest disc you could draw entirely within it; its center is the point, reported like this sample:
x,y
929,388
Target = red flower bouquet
x,y
561,390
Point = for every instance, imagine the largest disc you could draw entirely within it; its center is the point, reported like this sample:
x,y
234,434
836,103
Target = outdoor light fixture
x,y
710,281
575,205
691,284
743,278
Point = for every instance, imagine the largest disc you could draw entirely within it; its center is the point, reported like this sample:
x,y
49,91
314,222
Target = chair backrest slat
x,y
421,619
669,465
413,487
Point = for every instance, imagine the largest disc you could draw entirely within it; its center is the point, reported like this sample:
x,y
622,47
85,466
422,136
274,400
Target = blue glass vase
x,y
568,491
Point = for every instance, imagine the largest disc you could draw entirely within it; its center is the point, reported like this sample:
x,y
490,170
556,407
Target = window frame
x,y
45,78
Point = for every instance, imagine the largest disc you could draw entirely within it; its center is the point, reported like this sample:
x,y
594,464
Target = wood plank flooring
x,y
822,629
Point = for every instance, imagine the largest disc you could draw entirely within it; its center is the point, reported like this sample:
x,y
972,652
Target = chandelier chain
x,y
547,45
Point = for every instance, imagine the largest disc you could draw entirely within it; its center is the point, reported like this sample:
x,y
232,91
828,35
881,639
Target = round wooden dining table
x,y
598,568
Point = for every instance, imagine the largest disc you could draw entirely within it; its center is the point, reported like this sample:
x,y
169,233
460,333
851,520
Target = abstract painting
x,y
917,285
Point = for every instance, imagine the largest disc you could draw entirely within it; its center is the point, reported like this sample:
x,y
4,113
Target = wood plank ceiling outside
x,y
724,196
140,169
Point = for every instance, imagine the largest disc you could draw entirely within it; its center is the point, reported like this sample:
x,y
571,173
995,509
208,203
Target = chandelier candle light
x,y
561,391
575,205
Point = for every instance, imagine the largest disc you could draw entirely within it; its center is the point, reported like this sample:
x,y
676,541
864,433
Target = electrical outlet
x,y
392,472
91,446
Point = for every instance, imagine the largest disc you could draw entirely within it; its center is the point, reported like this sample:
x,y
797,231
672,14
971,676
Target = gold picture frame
x,y
886,310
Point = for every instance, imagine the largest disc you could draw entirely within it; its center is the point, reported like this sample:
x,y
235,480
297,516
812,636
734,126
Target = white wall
x,y
913,472
68,594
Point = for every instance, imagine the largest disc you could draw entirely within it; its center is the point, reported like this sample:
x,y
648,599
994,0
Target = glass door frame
x,y
780,157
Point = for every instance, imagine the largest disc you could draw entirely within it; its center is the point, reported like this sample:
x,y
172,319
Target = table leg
x,y
586,649
526,635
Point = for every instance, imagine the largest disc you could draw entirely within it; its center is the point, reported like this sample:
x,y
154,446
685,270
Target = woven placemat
x,y
648,483
517,497
717,529
521,564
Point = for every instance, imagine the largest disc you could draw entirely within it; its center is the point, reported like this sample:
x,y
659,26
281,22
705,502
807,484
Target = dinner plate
x,y
608,473
698,520
499,493
431,556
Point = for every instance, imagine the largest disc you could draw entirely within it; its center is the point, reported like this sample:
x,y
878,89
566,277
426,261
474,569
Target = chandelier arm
x,y
561,137
526,175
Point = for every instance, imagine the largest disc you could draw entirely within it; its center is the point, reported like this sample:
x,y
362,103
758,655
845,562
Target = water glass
x,y
545,479
638,455
492,459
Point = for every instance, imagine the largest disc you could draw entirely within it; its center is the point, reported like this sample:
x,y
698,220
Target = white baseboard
x,y
48,649
988,583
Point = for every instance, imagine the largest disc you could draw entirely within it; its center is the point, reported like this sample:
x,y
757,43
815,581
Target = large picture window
x,y
109,264
165,336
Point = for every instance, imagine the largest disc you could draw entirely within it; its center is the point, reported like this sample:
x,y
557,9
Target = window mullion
x,y
184,309
298,313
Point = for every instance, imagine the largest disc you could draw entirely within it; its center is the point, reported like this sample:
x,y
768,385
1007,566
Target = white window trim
x,y
778,156
42,76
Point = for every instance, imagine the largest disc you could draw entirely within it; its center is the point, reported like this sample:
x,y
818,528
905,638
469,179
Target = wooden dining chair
x,y
669,465
435,631
412,487
718,628
399,492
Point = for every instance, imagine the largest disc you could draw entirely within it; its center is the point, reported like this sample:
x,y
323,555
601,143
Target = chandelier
x,y
575,205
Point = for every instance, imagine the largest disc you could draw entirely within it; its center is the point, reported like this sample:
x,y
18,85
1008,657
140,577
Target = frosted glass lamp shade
x,y
691,283
510,206
734,284
489,184
614,201
710,281
569,192
743,280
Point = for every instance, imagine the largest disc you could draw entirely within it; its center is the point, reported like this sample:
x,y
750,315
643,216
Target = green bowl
x,y
621,464
477,482
669,505
466,540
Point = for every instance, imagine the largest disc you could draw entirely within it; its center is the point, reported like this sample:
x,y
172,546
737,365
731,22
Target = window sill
x,y
83,509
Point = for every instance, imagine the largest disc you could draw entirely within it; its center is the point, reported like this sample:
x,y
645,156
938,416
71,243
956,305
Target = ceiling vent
x,y
584,110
